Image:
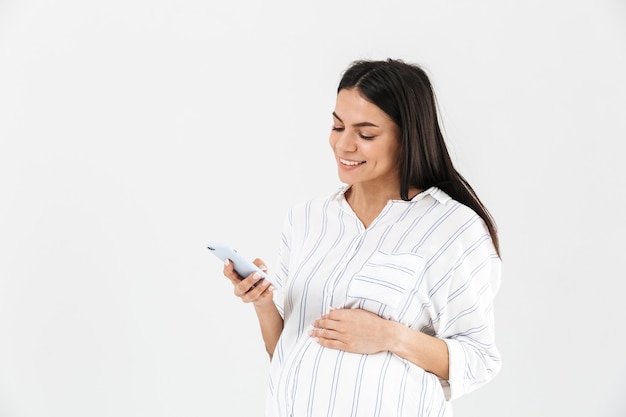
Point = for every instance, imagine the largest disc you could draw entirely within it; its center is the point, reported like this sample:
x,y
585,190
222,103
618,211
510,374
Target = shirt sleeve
x,y
466,319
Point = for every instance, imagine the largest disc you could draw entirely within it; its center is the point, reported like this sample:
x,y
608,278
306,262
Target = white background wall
x,y
132,131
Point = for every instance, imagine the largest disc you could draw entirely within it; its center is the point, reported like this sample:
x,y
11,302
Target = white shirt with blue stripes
x,y
428,263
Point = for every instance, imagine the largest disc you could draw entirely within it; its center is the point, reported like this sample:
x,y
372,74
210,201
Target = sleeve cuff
x,y
453,387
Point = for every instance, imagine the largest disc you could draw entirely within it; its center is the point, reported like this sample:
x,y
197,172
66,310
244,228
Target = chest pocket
x,y
382,284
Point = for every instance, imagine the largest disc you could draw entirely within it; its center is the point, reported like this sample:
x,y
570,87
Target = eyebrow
x,y
362,124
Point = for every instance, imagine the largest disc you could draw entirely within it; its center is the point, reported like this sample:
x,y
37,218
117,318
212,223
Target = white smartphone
x,y
242,265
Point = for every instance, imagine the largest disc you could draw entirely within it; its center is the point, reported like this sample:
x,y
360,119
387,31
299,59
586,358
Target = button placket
x,y
329,294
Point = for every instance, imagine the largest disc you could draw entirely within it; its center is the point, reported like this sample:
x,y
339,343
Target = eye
x,y
338,129
366,137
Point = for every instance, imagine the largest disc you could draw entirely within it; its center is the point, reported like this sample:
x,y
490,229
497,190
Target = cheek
x,y
392,157
398,157
332,140
396,153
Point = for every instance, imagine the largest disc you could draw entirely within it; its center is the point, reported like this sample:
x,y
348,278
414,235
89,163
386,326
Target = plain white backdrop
x,y
133,131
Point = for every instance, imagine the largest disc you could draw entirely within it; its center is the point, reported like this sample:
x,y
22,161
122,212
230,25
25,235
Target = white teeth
x,y
349,163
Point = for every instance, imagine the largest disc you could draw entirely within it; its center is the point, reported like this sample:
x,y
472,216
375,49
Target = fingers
x,y
251,288
259,262
251,283
229,270
327,323
323,333
332,344
330,320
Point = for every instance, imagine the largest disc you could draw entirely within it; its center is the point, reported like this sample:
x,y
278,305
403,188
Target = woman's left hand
x,y
353,330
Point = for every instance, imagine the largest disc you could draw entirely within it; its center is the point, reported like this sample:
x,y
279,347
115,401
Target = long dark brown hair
x,y
404,92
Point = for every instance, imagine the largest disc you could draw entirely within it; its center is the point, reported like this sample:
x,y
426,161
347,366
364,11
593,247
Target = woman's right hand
x,y
244,287
262,297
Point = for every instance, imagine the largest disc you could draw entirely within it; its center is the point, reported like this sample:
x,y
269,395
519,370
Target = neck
x,y
367,202
361,196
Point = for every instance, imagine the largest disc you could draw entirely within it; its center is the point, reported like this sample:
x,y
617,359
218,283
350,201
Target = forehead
x,y
352,107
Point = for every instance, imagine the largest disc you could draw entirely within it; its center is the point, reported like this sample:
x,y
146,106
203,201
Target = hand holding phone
x,y
243,266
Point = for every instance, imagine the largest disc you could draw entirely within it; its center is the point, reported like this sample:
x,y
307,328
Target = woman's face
x,y
365,142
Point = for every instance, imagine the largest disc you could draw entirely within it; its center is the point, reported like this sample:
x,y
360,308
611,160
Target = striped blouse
x,y
428,263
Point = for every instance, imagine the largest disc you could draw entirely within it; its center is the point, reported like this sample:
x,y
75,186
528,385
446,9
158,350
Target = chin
x,y
345,178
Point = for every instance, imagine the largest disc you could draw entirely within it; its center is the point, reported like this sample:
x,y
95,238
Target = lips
x,y
350,163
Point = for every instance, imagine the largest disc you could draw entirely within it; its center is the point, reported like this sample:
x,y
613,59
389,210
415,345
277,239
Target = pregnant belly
x,y
317,381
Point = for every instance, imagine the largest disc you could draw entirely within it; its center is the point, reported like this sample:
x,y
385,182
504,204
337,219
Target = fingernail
x,y
263,268
256,275
227,262
271,288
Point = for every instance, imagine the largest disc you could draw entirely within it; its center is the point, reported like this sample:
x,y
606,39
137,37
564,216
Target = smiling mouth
x,y
350,163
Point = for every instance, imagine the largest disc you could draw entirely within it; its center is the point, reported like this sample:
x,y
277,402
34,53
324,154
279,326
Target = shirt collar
x,y
434,192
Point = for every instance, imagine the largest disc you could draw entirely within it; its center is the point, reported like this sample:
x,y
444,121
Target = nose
x,y
345,142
